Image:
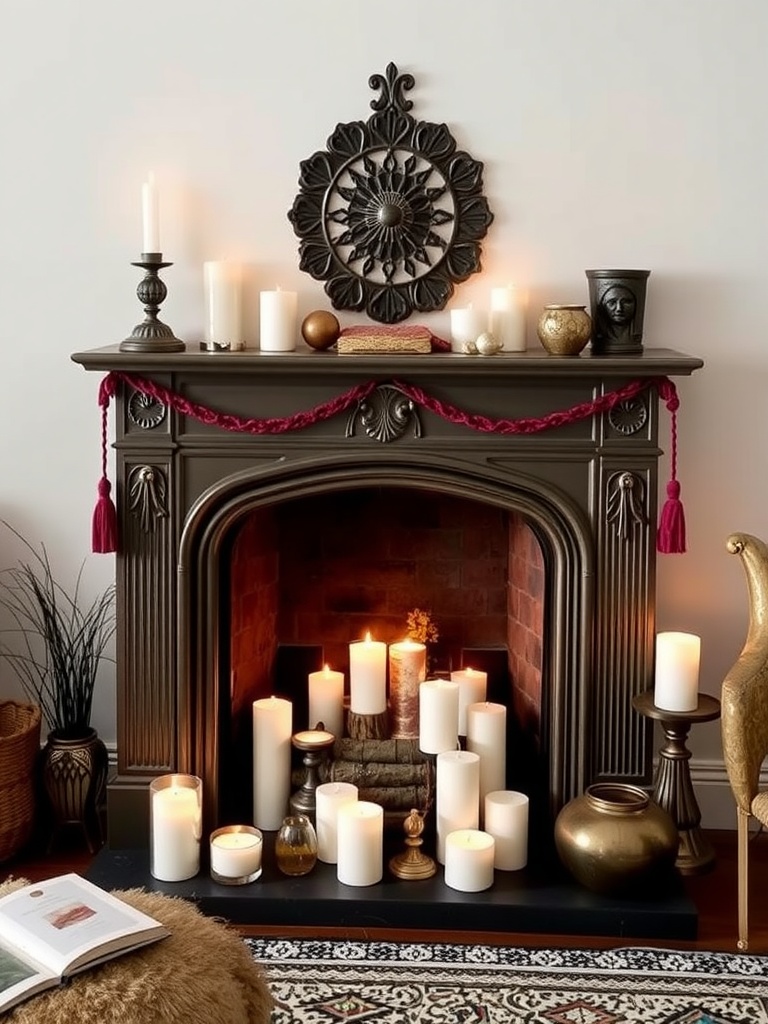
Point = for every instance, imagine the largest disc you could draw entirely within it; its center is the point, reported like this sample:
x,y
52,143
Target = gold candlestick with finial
x,y
413,863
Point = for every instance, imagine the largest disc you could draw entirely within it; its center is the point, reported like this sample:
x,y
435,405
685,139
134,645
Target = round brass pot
x,y
614,837
564,330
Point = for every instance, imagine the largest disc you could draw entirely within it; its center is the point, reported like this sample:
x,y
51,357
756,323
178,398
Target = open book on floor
x,y
52,929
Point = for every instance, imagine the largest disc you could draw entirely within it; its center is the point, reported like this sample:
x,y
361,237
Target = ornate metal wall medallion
x,y
392,214
385,415
147,496
626,500
145,411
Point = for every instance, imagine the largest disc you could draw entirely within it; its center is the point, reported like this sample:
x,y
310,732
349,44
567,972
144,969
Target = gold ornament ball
x,y
320,329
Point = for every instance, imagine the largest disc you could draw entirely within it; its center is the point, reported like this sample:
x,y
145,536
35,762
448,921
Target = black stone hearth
x,y
541,901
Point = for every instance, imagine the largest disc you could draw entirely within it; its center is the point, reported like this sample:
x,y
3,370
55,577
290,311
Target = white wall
x,y
629,133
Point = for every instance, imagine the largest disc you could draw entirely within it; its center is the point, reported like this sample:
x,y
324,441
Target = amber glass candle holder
x,y
296,845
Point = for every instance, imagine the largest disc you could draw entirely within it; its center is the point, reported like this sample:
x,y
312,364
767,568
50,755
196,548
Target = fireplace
x,y
556,530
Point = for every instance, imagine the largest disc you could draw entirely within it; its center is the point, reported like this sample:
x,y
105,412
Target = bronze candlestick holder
x,y
315,745
152,335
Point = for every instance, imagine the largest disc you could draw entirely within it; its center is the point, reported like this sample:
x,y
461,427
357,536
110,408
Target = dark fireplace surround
x,y
580,499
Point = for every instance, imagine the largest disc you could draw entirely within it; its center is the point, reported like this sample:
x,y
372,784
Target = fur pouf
x,y
201,974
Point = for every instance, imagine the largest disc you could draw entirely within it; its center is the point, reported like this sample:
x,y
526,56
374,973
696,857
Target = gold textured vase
x,y
614,838
564,330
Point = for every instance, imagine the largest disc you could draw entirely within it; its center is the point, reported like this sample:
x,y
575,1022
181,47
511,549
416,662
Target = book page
x,y
20,979
66,922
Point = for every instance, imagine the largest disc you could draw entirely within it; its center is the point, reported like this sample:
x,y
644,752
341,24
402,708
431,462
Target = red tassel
x,y
670,539
104,529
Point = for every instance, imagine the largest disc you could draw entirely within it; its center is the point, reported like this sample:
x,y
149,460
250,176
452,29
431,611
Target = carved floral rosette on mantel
x,y
391,215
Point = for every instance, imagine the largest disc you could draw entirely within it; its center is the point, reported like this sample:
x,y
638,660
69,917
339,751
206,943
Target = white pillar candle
x,y
677,671
487,736
360,851
150,215
457,794
277,321
236,854
223,308
467,324
329,797
175,827
367,676
272,721
326,700
473,688
469,860
407,669
506,819
438,716
507,318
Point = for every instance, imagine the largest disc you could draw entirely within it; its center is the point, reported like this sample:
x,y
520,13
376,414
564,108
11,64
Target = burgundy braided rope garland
x,y
671,536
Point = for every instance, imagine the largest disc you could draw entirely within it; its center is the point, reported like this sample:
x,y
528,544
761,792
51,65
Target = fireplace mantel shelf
x,y
653,362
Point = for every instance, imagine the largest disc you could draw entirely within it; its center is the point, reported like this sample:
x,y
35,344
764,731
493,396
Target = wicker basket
x,y
19,749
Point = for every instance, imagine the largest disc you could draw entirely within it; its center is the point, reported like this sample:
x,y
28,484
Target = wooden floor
x,y
714,895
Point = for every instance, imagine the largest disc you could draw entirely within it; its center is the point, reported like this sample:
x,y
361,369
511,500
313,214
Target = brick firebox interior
x,y
313,574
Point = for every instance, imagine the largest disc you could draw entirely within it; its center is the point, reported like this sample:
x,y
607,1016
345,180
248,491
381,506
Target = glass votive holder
x,y
296,845
175,826
236,854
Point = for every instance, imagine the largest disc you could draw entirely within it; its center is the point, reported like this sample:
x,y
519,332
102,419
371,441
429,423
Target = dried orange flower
x,y
422,627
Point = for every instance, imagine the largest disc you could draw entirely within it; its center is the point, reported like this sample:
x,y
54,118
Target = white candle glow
x,y
469,860
326,700
175,827
457,794
407,669
360,851
150,216
473,688
329,797
236,854
367,676
507,318
272,719
506,819
278,321
223,309
438,716
487,736
677,671
467,324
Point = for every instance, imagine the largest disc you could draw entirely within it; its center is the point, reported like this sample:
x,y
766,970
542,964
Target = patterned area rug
x,y
330,982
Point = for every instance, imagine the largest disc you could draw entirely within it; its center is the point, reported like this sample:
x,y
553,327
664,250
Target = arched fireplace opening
x,y
278,577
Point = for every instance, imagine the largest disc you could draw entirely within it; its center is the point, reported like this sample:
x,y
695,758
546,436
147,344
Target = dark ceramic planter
x,y
74,772
617,308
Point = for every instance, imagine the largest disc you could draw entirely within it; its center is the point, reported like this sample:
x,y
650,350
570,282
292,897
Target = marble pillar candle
x,y
407,670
